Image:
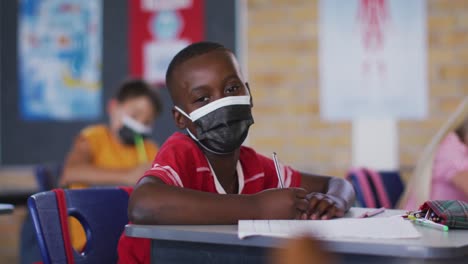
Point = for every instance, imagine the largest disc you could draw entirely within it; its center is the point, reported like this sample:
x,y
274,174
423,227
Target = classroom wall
x,y
283,74
19,146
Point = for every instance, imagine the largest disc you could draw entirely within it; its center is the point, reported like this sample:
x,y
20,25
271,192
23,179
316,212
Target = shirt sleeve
x,y
451,158
172,166
289,176
93,136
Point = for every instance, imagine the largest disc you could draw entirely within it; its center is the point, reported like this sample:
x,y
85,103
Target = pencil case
x,y
452,213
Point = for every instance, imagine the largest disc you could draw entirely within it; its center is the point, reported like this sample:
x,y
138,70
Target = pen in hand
x,y
278,172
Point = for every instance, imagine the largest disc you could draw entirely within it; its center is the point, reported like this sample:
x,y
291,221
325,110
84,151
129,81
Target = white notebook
x,y
379,228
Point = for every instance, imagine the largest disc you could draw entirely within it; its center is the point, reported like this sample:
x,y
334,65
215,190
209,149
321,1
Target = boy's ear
x,y
179,119
111,106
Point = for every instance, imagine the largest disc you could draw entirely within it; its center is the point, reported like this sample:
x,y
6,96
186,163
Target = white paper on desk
x,y
379,228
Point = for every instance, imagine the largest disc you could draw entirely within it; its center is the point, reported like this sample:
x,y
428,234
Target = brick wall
x,y
283,74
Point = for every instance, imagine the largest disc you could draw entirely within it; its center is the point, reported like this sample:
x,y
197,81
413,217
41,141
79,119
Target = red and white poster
x,y
158,30
372,59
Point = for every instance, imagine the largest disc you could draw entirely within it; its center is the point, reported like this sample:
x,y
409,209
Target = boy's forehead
x,y
206,66
138,103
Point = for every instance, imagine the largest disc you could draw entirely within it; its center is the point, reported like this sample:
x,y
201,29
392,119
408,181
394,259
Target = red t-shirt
x,y
180,162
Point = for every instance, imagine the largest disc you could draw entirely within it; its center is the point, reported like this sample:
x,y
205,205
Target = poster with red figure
x,y
372,59
158,30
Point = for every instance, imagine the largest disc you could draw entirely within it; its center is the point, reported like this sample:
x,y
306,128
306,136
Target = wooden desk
x,y
17,183
220,244
6,208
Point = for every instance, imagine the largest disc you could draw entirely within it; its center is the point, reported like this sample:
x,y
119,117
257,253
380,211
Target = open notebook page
x,y
380,228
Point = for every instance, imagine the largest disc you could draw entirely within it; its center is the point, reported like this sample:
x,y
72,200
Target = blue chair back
x,y
101,211
47,177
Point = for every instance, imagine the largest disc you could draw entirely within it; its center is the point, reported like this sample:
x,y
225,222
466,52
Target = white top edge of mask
x,y
135,125
230,100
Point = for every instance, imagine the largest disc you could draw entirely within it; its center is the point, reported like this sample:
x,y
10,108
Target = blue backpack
x,y
376,189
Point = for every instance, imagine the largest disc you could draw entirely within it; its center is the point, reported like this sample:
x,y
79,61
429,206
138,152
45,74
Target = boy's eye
x,y
202,99
232,89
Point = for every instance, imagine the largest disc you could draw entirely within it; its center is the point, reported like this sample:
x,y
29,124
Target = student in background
x,y
114,154
120,152
206,176
107,154
442,171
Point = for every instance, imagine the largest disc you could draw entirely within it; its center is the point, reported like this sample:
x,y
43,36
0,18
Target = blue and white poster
x,y
60,59
372,59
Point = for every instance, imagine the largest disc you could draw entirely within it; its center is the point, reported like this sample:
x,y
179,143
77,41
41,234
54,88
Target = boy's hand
x,y
289,203
323,207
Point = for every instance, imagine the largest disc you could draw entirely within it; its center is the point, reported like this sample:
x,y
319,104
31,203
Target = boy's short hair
x,y
133,88
189,52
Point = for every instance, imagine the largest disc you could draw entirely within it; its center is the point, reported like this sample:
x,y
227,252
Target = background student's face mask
x,y
222,125
132,128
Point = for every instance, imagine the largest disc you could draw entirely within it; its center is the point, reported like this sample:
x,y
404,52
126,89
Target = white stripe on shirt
x,y
171,173
202,169
255,177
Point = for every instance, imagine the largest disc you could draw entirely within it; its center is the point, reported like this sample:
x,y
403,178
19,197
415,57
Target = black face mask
x,y
127,135
222,125
131,129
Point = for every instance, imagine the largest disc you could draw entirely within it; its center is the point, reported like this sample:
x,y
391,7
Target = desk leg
x,y
174,252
